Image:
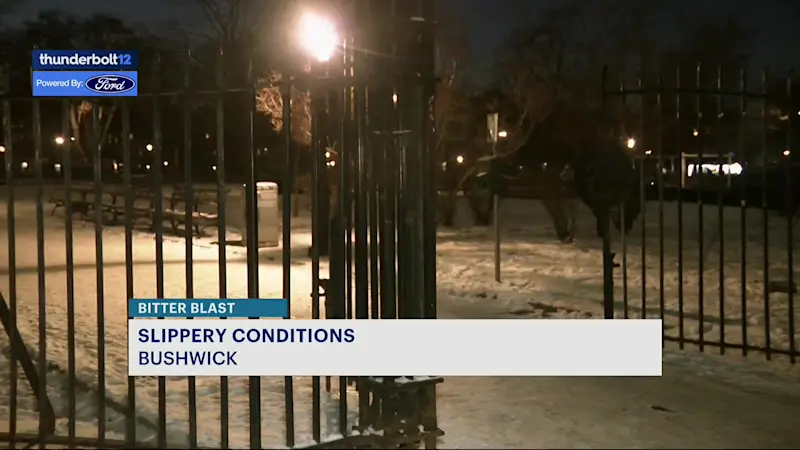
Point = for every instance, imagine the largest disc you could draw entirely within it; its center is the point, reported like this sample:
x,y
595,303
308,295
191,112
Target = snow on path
x,y
541,279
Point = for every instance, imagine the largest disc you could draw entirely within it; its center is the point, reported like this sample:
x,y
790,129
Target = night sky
x,y
777,40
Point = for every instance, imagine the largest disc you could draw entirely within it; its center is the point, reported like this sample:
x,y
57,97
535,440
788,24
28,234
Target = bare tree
x,y
555,66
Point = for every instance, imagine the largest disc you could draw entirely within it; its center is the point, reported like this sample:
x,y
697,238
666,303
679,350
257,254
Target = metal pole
x,y
491,121
496,215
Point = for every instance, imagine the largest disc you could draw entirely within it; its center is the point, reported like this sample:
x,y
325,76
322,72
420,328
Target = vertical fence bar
x,y
698,113
97,141
347,162
623,205
743,202
158,228
286,237
361,306
430,308
251,216
372,197
324,231
361,211
764,219
343,99
317,237
660,188
721,214
191,204
70,274
790,227
12,265
643,202
679,145
388,212
222,252
41,264
130,418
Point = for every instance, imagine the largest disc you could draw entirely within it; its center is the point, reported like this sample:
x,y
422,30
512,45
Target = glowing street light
x,y
501,134
695,133
2,148
787,152
631,143
59,140
149,147
460,159
318,36
24,165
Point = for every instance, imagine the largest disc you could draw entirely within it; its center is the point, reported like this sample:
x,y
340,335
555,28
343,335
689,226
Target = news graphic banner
x,y
84,73
177,346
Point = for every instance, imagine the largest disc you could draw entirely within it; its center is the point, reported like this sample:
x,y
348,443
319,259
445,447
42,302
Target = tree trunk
x,y
562,214
447,208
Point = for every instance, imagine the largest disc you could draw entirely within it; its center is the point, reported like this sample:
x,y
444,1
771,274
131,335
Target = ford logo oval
x,y
110,84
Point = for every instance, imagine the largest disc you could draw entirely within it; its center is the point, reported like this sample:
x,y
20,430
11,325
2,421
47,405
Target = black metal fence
x,y
77,250
712,251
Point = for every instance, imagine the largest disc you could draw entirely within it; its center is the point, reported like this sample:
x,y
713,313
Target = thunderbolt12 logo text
x,y
91,60
84,60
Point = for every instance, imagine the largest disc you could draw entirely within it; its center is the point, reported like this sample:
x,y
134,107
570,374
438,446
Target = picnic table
x,y
113,205
178,217
83,205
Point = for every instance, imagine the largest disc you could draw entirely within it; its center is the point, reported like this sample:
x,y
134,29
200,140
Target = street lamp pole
x,y
492,123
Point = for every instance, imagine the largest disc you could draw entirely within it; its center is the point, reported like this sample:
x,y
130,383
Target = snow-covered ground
x,y
702,401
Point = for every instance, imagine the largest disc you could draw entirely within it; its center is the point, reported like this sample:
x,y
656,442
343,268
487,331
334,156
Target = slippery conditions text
x,y
187,358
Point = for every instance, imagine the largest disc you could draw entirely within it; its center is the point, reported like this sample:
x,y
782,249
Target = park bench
x,y
79,205
177,217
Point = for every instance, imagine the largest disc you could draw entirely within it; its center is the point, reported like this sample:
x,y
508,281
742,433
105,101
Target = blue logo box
x,y
85,84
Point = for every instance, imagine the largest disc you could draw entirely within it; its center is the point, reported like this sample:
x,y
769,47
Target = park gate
x,y
128,226
709,244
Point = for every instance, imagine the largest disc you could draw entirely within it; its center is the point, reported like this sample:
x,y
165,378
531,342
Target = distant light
x,y
460,159
394,98
787,152
648,152
332,163
695,132
24,164
166,163
444,165
57,166
116,166
72,138
147,166
59,140
149,147
208,136
2,148
631,143
213,167
327,154
502,134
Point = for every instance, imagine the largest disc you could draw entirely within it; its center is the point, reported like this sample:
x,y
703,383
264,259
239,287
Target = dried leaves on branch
x,y
270,101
